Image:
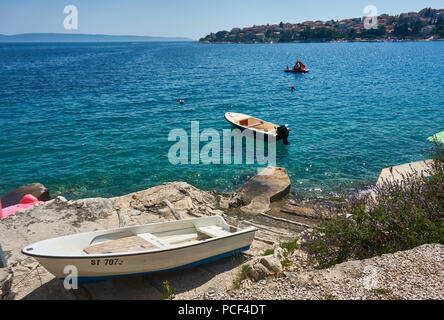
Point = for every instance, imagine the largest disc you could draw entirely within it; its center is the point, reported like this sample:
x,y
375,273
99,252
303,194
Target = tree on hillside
x,y
350,34
417,26
439,29
426,13
221,35
285,37
401,30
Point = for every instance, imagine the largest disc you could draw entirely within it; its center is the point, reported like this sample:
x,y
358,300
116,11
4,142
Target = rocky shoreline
x,y
25,279
259,273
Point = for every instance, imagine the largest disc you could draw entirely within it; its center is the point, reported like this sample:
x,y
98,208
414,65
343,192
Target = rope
x,y
27,275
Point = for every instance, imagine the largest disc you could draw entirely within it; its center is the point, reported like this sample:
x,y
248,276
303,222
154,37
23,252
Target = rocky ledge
x,y
59,217
265,271
24,278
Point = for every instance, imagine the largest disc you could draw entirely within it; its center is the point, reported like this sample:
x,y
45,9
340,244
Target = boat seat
x,y
254,125
154,240
180,238
213,231
126,244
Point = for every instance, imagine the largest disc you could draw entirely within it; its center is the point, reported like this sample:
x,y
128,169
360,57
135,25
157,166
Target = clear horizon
x,y
191,19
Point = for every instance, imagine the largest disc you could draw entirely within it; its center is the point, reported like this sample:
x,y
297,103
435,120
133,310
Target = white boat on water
x,y
257,127
143,249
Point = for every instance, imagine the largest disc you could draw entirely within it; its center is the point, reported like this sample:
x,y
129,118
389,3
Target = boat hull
x,y
267,137
90,269
296,71
90,279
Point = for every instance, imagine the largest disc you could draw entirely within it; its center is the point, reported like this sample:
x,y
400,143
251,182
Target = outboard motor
x,y
282,133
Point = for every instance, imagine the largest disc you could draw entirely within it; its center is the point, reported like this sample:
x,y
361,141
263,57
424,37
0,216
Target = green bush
x,y
169,291
268,252
242,275
290,246
285,263
399,216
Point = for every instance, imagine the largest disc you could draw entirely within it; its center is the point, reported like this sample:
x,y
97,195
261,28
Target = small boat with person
x,y
142,249
299,67
255,126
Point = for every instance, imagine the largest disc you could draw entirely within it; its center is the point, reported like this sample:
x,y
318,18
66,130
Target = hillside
x,y
425,24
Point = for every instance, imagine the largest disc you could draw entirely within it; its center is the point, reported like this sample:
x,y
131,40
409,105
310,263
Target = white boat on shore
x,y
143,249
257,127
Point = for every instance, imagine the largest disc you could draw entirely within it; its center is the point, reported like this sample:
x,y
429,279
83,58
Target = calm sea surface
x,y
93,119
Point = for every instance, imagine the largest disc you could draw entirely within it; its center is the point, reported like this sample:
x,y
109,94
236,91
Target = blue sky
x,y
188,18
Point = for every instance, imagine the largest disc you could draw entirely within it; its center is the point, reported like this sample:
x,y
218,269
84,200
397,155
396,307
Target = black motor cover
x,y
282,133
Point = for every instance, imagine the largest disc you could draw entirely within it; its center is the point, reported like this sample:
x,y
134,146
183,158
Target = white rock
x,y
271,263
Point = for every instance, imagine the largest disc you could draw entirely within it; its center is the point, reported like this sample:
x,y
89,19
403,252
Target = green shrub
x,y
290,246
169,291
400,216
268,252
243,274
285,263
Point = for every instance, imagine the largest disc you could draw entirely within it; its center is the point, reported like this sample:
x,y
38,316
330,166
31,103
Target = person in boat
x,y
301,67
298,66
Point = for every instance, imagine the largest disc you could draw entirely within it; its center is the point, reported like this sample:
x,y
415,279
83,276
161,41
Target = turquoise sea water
x,y
93,119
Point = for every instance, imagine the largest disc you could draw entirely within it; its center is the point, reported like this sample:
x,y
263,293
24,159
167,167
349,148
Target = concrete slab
x,y
271,184
395,173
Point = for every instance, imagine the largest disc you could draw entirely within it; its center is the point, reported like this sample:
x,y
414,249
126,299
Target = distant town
x,y
427,24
